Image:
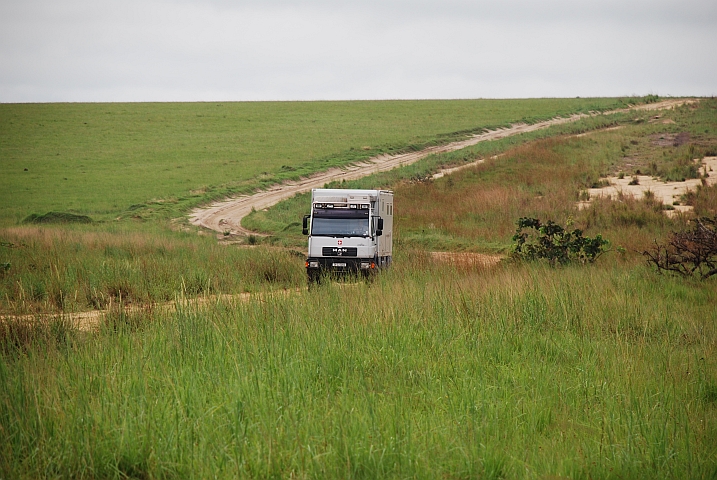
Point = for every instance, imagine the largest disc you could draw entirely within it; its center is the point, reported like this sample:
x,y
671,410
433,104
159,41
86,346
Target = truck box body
x,y
349,230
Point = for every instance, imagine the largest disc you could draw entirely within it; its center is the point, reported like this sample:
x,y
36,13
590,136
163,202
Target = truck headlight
x,y
365,266
314,264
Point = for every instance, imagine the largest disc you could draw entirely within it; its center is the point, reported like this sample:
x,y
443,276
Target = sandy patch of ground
x,y
448,171
664,105
669,139
666,192
466,260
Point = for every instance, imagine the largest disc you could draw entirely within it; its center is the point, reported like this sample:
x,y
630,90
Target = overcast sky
x,y
189,50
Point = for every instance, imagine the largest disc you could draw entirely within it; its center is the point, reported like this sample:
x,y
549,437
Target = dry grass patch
x,y
50,237
467,260
53,269
484,201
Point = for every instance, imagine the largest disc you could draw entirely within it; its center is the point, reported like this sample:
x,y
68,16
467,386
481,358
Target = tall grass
x,y
70,269
485,201
522,372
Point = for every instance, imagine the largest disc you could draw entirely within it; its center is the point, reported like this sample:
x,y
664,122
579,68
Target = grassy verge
x,y
55,269
522,372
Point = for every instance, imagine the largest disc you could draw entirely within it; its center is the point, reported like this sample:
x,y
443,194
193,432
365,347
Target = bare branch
x,y
691,252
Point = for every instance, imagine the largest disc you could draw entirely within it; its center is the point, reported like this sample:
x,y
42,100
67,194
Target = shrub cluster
x,y
555,244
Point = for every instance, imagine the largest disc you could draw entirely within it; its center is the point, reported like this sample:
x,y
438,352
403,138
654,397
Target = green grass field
x,y
103,159
517,371
511,373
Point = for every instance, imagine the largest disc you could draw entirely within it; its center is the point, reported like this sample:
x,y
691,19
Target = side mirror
x,y
379,227
305,229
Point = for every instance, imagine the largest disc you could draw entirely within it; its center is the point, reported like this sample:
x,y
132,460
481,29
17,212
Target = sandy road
x,y
226,216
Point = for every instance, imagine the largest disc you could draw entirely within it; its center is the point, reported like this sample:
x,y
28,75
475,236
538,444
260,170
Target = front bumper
x,y
339,264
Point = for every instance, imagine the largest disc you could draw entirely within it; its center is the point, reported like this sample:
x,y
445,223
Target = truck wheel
x,y
369,277
314,278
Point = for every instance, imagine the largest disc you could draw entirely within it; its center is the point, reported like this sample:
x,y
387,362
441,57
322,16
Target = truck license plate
x,y
339,264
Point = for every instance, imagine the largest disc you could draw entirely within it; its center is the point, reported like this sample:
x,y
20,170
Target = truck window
x,y
347,227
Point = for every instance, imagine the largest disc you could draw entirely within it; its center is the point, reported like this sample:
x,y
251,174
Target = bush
x,y
690,252
554,243
680,173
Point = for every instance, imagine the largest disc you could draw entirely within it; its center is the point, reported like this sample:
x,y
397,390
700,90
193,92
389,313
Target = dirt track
x,y
89,320
226,216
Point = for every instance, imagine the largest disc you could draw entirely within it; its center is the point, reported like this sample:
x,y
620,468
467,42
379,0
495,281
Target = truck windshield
x,y
346,227
340,223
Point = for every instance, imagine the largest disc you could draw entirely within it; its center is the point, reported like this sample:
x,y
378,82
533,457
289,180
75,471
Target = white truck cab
x,y
349,231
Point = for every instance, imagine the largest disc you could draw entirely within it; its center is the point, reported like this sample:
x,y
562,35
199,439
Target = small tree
x,y
691,252
552,242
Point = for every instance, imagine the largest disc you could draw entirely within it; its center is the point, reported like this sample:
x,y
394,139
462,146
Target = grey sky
x,y
187,50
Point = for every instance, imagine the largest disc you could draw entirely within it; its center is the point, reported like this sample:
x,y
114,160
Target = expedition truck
x,y
350,231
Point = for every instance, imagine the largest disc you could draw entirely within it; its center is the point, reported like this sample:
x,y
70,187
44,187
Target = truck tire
x,y
313,278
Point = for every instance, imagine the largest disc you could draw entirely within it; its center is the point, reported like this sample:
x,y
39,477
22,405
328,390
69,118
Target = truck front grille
x,y
339,251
